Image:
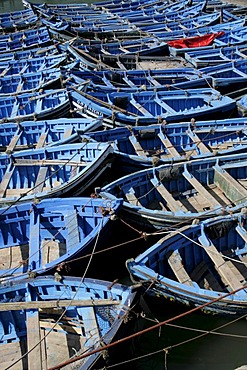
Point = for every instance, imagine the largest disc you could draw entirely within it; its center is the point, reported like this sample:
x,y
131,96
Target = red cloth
x,y
196,41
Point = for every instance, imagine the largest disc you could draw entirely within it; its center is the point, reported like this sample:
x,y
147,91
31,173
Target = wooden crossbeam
x,y
201,189
200,145
175,261
137,146
16,306
5,180
168,145
173,204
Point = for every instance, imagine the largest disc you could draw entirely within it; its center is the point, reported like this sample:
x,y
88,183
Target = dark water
x,y
226,351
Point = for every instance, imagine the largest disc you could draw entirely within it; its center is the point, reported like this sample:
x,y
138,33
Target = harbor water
x,y
197,341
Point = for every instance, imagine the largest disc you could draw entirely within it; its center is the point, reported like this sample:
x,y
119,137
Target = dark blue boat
x,y
73,315
198,264
141,147
182,192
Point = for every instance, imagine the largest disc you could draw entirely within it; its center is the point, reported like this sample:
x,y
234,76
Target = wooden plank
x,y
175,261
226,273
49,162
40,180
13,142
68,132
5,180
200,189
50,251
71,223
42,140
90,325
33,337
140,108
131,197
137,146
16,306
230,186
173,204
168,145
200,145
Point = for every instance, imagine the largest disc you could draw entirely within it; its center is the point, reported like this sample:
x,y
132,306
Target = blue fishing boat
x,y
52,171
54,232
139,147
134,80
199,58
30,65
31,53
182,192
228,76
37,134
37,105
75,315
220,39
26,40
18,20
150,107
198,264
30,82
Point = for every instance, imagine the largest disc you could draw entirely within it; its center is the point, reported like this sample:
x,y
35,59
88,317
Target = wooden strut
x,y
16,306
58,367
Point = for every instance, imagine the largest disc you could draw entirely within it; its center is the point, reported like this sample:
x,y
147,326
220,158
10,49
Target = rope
x,y
147,329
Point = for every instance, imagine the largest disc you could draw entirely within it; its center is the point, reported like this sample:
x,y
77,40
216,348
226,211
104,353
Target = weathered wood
x,y
90,325
71,223
68,132
16,306
230,186
200,145
131,197
140,108
5,180
49,251
175,261
137,146
168,145
40,180
201,189
47,162
33,337
13,142
173,204
41,140
226,273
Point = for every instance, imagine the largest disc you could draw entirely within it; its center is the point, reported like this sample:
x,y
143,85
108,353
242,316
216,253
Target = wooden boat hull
x,y
90,311
197,264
